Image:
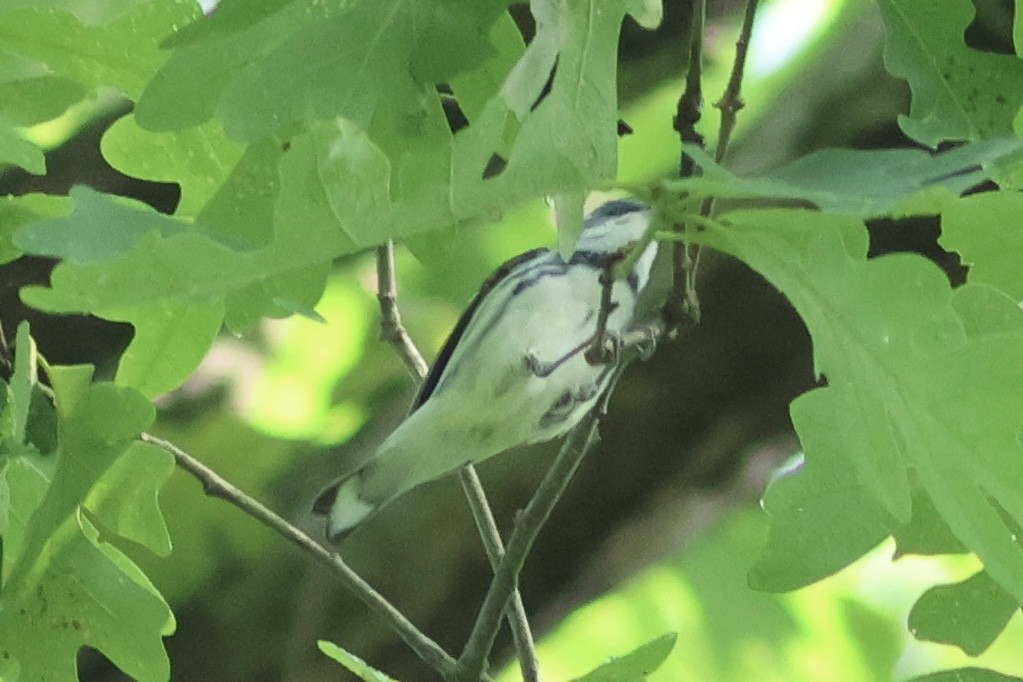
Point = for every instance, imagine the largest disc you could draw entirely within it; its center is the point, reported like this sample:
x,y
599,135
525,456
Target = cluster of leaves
x,y
299,132
292,146
73,479
916,431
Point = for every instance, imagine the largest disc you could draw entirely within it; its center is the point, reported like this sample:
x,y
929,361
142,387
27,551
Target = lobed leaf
x,y
909,385
122,53
984,230
865,183
969,614
959,93
62,585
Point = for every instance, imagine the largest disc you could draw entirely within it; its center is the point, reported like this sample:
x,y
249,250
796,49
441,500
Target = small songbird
x,y
513,370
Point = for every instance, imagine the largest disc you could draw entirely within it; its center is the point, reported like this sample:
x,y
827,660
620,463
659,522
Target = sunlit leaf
x,y
959,93
636,665
352,663
969,614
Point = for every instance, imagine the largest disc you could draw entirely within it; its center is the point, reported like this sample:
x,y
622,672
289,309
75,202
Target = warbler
x,y
513,371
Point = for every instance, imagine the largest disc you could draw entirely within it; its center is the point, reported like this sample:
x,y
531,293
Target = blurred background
x,y
660,525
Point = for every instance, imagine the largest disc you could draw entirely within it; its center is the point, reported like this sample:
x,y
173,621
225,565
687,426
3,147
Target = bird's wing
x,y
448,349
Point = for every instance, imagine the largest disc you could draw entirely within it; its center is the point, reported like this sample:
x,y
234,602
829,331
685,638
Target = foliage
x,y
302,131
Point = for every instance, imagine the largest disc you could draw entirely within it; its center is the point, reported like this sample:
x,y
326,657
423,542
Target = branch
x,y
729,105
731,102
393,331
686,257
683,304
525,648
527,526
597,353
690,104
216,486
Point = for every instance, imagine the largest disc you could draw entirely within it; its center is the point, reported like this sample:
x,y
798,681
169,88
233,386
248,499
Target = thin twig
x,y
393,331
597,353
690,104
683,304
391,328
729,105
216,486
731,102
529,664
527,526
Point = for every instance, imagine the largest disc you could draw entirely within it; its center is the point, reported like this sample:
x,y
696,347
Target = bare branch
x,y
687,257
683,304
690,103
216,486
525,648
391,329
731,102
579,441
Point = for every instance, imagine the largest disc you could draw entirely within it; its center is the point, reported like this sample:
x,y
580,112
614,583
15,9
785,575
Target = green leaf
x,y
125,498
568,208
199,159
64,587
865,183
37,98
26,486
909,386
959,93
100,229
352,663
169,343
377,171
634,666
984,230
96,425
21,210
83,592
266,87
969,614
210,54
122,53
822,515
15,150
926,532
23,381
967,675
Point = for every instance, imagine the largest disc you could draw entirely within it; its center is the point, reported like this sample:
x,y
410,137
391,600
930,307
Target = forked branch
x,y
393,331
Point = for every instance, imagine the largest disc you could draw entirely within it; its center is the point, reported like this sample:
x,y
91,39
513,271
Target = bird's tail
x,y
344,506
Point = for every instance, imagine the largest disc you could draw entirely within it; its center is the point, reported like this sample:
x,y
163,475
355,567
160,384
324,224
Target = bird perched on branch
x,y
515,369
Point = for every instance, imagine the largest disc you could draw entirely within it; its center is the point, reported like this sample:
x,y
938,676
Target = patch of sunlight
x,y
785,32
850,626
293,397
784,29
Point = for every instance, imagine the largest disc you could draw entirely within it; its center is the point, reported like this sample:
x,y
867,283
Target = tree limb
x,y
215,485
579,441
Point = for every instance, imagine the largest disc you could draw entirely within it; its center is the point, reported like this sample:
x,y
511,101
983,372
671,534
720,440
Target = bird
x,y
513,370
